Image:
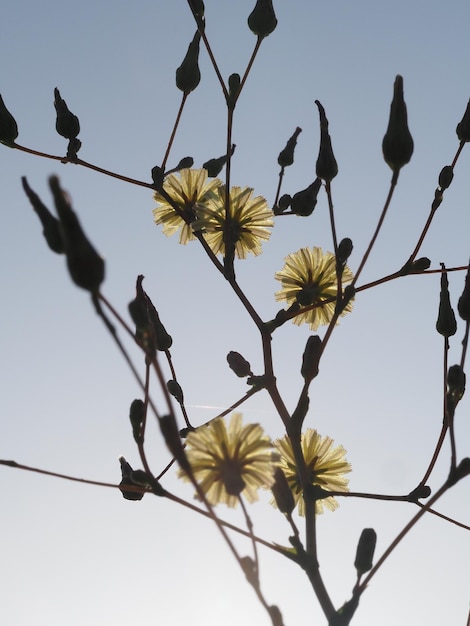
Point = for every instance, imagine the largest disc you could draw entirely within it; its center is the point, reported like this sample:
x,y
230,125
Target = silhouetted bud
x,y
126,472
284,202
137,417
415,267
445,177
50,224
214,166
326,167
262,20
421,491
233,90
67,123
188,74
282,492
463,305
150,332
457,473
348,294
397,144
8,126
365,551
198,8
175,389
85,265
345,247
303,202
185,163
164,339
463,127
157,176
239,365
286,156
172,438
456,381
311,358
446,324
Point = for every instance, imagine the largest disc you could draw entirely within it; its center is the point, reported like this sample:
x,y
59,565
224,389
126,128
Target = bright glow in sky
x,y
75,554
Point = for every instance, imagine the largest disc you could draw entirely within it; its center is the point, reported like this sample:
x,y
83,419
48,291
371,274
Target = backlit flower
x,y
325,466
247,224
309,277
230,461
190,190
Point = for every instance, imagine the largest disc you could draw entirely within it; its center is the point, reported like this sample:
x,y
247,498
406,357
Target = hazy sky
x,y
75,554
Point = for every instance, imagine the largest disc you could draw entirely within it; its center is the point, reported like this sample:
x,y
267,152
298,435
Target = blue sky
x,y
78,554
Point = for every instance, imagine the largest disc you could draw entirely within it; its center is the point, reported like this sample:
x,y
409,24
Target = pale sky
x,y
75,554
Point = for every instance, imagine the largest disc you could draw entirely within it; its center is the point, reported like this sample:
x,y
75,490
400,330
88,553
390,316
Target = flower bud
x,y
126,472
463,305
185,162
284,202
262,20
67,123
197,7
303,202
239,365
457,473
326,167
463,127
137,417
311,358
214,166
8,126
345,247
85,265
282,492
365,551
446,324
234,81
397,144
188,74
415,267
456,380
286,156
50,224
174,388
446,176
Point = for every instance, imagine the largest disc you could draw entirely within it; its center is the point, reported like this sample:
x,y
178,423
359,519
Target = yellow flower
x,y
248,223
325,465
190,191
229,462
309,277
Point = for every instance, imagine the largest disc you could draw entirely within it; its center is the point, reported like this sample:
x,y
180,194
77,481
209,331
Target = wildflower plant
x,y
228,460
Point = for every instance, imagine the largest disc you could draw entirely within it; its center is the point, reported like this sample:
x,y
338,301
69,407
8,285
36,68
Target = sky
x,y
75,554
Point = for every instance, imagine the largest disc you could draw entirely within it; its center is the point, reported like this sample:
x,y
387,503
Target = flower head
x,y
229,462
190,191
325,465
247,224
309,277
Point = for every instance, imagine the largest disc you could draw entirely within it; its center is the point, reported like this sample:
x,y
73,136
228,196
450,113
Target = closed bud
x,y
326,167
282,492
457,473
397,144
137,417
160,339
456,381
286,156
85,265
303,202
233,90
197,7
239,365
463,305
174,388
188,74
214,166
67,123
446,324
348,294
50,224
445,177
345,247
311,358
284,202
126,481
262,20
157,176
8,126
463,127
365,551
415,267
185,162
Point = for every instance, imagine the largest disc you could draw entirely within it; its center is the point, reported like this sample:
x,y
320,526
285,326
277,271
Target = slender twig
x,y
173,132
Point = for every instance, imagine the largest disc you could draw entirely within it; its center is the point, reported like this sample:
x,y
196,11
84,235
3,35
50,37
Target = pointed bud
x,y
8,126
326,167
446,324
463,127
446,176
415,267
137,417
197,7
457,473
185,163
343,253
303,202
188,74
174,388
365,551
463,305
50,224
239,365
85,265
397,144
234,81
262,20
286,156
311,358
456,381
282,492
126,472
67,123
214,166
